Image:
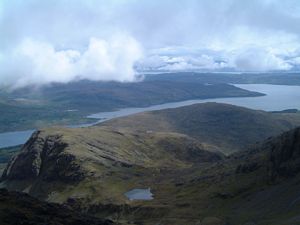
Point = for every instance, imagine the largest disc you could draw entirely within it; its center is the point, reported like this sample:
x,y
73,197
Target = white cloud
x,y
260,60
295,61
175,35
181,63
38,63
179,66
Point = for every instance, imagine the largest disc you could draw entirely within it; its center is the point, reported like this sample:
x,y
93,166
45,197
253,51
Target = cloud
x,y
260,60
37,63
180,63
295,61
201,62
79,39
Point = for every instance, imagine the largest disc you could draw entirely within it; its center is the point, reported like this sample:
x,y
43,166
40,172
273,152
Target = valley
x,y
129,112
206,163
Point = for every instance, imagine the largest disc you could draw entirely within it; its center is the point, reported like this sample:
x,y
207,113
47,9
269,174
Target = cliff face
x,y
44,157
279,156
285,154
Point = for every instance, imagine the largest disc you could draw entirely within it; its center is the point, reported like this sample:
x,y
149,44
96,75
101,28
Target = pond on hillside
x,y
139,194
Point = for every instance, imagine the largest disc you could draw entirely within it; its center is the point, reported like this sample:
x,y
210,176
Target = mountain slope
x,y
18,208
226,127
55,164
270,194
259,186
90,169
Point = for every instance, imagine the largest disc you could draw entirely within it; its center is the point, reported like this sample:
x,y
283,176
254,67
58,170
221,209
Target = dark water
x,y
278,97
139,194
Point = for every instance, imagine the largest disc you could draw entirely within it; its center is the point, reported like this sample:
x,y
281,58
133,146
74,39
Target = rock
x,y
23,209
280,156
250,223
44,157
247,167
285,154
212,221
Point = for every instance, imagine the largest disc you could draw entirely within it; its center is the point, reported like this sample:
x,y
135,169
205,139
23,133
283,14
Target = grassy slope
x,y
207,193
108,157
259,186
187,191
220,126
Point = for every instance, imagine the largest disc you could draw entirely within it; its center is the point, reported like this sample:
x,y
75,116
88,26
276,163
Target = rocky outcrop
x,y
19,208
27,163
285,154
279,156
43,156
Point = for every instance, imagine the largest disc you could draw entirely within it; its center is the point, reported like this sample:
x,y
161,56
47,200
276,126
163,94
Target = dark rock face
x,y
280,156
27,163
19,208
247,167
285,154
43,157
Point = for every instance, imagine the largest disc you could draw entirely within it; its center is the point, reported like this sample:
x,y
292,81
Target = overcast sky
x,y
59,40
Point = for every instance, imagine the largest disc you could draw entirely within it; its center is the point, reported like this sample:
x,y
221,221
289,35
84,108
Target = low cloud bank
x,y
242,60
37,63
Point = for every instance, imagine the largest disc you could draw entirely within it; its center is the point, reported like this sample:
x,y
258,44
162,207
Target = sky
x,y
61,41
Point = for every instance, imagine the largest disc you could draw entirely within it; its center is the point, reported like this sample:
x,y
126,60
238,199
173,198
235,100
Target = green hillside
x,y
224,127
90,169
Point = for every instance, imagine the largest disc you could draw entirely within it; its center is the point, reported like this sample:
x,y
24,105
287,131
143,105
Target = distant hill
x,y
225,127
278,78
70,103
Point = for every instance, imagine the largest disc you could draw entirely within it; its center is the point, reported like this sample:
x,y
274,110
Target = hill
x,y
70,103
90,170
55,165
259,186
224,127
277,78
